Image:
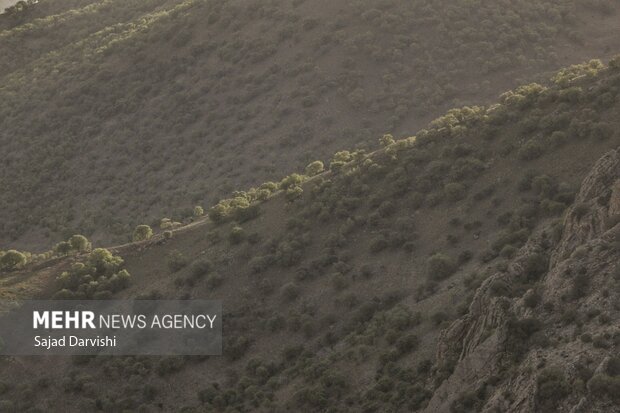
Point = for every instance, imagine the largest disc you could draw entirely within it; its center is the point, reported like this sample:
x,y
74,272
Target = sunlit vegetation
x,y
340,278
142,233
389,65
356,227
98,277
12,260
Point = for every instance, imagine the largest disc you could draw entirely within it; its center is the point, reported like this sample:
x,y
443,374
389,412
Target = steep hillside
x,y
116,113
4,4
473,267
563,332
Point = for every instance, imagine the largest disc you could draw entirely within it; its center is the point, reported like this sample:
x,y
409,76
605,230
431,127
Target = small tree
x,y
198,211
12,260
315,168
236,235
440,266
176,261
454,191
104,262
142,232
291,181
293,193
218,213
386,140
165,223
552,388
79,243
63,248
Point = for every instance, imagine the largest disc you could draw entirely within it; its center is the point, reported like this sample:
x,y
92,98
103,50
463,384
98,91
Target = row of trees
x,y
12,260
20,7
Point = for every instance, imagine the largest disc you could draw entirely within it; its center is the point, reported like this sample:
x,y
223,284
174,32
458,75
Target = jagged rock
x,y
479,341
600,186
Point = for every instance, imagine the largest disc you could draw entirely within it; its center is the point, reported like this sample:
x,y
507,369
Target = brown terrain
x,y
138,110
471,267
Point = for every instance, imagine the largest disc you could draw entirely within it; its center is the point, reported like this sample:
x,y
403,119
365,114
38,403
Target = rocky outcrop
x,y
596,206
579,295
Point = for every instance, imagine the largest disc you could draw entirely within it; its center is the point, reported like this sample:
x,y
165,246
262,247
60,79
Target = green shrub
x,y
558,138
208,395
508,251
12,260
64,294
407,343
552,387
378,244
579,286
519,332
439,317
236,347
142,233
259,264
293,193
531,299
466,403
7,406
198,211
176,261
544,185
200,268
499,288
613,366
237,234
535,265
98,278
214,280
600,341
440,266
239,208
386,209
168,365
603,385
62,248
580,210
532,149
118,281
314,168
387,140
339,281
290,181
104,261
79,243
167,223
454,191
290,291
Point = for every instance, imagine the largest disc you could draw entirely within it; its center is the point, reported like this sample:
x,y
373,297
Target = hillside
x,y
471,267
4,4
118,113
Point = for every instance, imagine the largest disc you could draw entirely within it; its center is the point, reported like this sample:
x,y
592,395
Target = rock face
x,y
501,347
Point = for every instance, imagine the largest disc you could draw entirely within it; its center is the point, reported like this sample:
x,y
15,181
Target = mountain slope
x,y
571,315
117,113
471,267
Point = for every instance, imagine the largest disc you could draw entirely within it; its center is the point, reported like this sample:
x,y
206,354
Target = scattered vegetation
x,y
98,277
429,207
162,114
